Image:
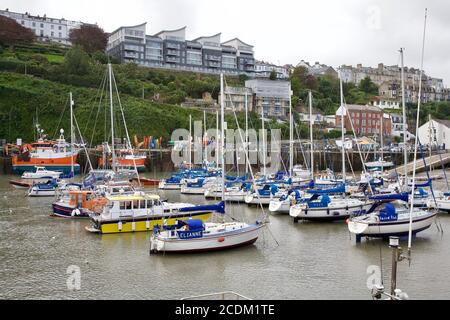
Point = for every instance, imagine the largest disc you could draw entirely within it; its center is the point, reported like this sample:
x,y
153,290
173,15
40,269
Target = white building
x,y
386,104
264,69
436,131
46,29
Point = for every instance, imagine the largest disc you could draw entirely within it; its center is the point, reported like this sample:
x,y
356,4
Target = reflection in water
x,y
312,260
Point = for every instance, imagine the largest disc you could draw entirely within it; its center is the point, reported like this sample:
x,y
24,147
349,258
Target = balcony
x,y
214,58
175,53
172,46
172,60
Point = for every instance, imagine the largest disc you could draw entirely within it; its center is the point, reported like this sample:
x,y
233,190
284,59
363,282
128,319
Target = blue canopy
x,y
390,197
194,224
428,184
338,189
388,213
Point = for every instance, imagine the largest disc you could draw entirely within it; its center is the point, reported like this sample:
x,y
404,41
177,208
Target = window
x,y
52,27
42,25
59,28
53,34
34,24
60,35
23,22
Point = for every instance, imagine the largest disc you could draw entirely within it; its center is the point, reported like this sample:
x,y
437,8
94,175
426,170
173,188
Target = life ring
x,y
221,239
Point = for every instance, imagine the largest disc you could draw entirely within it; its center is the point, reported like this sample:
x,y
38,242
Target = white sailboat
x,y
392,220
195,236
322,207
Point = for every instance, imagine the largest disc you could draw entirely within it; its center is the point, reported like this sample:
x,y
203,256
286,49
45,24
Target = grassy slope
x,y
21,95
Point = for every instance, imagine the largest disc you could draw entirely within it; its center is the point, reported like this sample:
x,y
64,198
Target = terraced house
x,y
169,49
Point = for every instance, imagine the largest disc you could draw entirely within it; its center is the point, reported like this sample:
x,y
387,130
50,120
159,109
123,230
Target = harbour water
x,y
310,261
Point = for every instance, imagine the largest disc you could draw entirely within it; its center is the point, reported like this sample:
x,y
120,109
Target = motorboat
x,y
41,173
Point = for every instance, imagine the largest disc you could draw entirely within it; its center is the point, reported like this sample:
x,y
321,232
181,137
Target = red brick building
x,y
366,120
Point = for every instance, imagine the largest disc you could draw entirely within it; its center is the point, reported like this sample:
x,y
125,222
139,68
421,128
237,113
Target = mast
x,y
417,137
217,140
190,141
205,141
291,135
112,117
72,136
381,141
431,137
342,127
246,131
405,139
222,140
311,135
263,141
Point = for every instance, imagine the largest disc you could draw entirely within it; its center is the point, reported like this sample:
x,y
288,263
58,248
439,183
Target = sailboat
x,y
320,206
195,236
397,220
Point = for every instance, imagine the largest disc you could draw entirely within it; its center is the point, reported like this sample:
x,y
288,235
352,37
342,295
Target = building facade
x,y
264,70
272,97
169,49
318,69
388,79
46,29
364,120
238,98
437,132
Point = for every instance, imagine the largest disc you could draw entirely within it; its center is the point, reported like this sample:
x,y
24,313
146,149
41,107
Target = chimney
x,y
380,66
359,66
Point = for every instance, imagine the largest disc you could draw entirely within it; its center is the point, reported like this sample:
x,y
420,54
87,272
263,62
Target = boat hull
x,y
144,224
65,211
280,206
393,228
328,214
65,169
208,244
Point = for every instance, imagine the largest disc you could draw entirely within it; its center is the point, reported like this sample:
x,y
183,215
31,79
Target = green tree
x,y
366,85
273,75
77,61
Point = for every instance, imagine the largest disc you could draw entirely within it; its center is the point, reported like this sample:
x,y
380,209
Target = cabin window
x,y
142,204
149,204
122,206
136,204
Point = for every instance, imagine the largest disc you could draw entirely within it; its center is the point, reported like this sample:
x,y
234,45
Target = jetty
x,y
432,162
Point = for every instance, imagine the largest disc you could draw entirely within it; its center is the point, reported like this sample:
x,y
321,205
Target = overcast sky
x,y
282,31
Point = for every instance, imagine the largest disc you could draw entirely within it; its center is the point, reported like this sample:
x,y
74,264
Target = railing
x,y
227,295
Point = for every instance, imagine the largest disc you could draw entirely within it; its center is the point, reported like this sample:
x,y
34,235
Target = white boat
x,y
390,221
379,164
235,193
41,173
284,204
50,188
195,236
441,203
267,194
300,172
326,208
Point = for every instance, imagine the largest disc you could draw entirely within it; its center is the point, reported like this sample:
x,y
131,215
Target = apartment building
x,y
388,79
169,49
265,69
46,29
318,69
271,97
364,120
238,98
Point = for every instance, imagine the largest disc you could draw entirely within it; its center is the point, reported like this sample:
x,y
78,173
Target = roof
x,y
133,197
128,27
208,37
358,107
237,39
175,30
444,122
